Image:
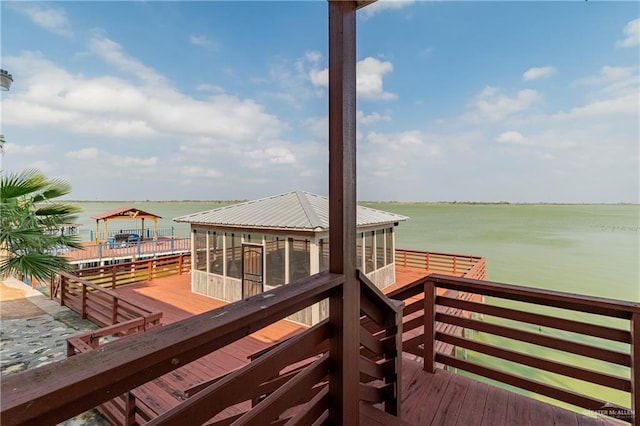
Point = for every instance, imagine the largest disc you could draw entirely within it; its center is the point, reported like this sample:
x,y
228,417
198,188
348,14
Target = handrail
x,y
131,272
380,353
436,320
381,341
106,251
246,382
53,393
452,263
103,306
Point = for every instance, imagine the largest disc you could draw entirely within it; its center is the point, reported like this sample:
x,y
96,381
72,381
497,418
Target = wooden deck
x,y
445,398
172,295
442,398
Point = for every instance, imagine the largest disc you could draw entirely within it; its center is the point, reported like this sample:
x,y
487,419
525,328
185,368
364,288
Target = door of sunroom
x,y
252,270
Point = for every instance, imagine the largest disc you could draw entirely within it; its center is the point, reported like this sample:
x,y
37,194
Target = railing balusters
x,y
455,313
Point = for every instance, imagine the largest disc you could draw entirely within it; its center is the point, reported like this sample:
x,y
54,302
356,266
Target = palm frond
x,y
37,265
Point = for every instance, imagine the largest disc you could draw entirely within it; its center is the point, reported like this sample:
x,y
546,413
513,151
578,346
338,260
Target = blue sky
x,y
466,101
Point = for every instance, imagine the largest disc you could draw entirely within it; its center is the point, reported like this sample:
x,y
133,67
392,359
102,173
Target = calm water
x,y
584,249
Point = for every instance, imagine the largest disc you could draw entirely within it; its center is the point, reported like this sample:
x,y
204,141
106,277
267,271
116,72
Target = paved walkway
x,y
33,332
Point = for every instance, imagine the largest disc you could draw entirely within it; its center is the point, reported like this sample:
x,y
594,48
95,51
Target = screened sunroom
x,y
245,249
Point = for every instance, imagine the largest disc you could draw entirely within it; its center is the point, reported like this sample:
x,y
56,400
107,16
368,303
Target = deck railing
x,y
618,347
58,391
108,252
102,306
112,276
294,373
468,266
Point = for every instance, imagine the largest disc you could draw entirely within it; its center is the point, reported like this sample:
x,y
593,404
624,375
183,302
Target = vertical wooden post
x,y
429,325
149,270
635,369
344,304
113,277
84,301
427,261
392,405
130,409
63,287
180,264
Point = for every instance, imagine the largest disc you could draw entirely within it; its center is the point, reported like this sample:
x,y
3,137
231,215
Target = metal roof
x,y
296,210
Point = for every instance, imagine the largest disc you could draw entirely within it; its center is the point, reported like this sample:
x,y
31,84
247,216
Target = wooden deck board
x,y
474,402
445,398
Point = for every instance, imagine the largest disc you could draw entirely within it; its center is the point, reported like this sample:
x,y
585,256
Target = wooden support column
x,y
344,305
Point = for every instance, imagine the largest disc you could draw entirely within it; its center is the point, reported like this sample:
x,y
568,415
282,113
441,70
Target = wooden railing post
x,y
114,270
149,270
180,264
635,369
344,302
393,406
429,325
84,302
130,409
63,287
427,261
455,263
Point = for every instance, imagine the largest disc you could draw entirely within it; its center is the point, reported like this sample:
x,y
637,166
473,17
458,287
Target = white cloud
x,y
382,5
492,105
313,57
53,19
83,154
369,73
14,148
113,54
612,81
199,172
319,77
276,155
317,127
111,106
511,137
369,79
112,162
412,144
620,107
539,72
128,162
632,33
203,41
372,118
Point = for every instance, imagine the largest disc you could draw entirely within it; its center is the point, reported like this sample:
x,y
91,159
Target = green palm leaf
x,y
30,220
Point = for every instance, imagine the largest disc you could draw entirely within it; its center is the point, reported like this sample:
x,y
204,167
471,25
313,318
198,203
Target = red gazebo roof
x,y
126,213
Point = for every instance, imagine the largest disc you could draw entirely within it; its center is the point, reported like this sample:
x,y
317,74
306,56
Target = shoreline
x,y
453,203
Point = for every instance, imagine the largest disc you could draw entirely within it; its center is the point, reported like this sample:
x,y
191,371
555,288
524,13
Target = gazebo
x,y
128,213
244,249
